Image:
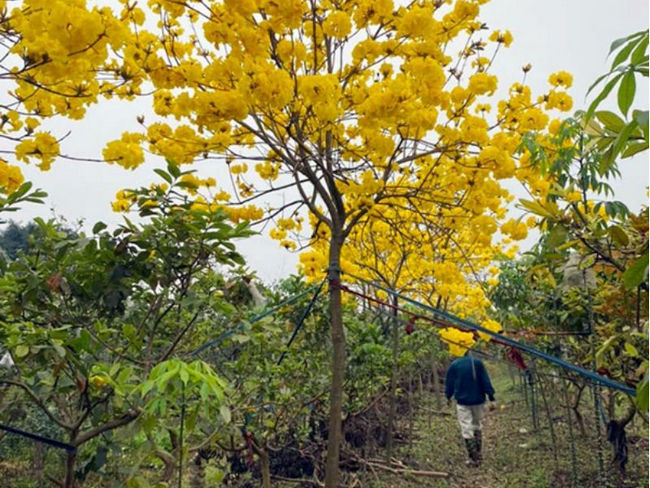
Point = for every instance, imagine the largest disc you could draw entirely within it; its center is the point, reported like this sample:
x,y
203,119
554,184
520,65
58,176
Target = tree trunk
x,y
579,421
39,460
70,463
392,412
265,467
334,435
411,410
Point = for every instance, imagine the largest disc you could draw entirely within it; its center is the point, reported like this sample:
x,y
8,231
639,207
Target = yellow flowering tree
x,y
365,110
58,58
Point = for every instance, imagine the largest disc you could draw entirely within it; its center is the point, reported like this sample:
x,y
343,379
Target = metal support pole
x,y
533,395
572,440
595,387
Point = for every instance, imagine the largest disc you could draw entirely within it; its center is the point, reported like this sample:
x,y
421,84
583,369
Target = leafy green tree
x,y
15,238
614,135
97,324
607,241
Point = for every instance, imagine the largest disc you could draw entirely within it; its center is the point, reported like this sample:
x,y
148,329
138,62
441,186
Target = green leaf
x,y
619,42
536,208
630,350
184,375
568,244
602,95
598,80
225,413
22,351
640,52
626,92
641,118
587,262
605,346
21,191
633,149
98,227
164,175
593,128
623,138
610,120
129,331
623,54
59,350
556,236
173,169
618,235
636,273
146,387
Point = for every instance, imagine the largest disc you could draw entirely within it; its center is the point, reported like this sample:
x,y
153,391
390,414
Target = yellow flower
x,y
490,325
458,94
554,126
42,146
10,177
533,119
337,24
149,203
126,151
559,100
482,83
502,37
121,205
288,245
268,170
515,229
561,78
457,340
574,196
191,183
278,234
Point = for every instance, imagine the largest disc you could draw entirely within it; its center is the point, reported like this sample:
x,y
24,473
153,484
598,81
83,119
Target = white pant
x,y
470,418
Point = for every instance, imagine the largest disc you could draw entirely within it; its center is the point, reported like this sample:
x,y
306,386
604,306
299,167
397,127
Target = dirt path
x,y
514,454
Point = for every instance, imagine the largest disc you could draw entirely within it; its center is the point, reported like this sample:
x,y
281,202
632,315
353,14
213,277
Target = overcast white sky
x,y
553,35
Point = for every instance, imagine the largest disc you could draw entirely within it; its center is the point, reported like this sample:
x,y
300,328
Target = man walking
x,y
468,382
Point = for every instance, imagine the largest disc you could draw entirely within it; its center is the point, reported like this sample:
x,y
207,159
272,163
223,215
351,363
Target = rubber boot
x,y
478,444
470,444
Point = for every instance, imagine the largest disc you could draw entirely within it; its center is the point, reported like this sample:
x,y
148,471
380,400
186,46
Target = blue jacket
x,y
468,382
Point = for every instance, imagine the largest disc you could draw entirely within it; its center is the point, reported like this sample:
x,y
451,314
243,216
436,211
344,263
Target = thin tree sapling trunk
x,y
334,436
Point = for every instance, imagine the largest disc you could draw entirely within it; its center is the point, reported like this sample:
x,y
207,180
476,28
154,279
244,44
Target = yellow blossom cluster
x,y
515,229
60,57
42,146
10,177
244,213
459,342
561,78
359,104
482,83
268,170
492,326
126,152
124,199
312,263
